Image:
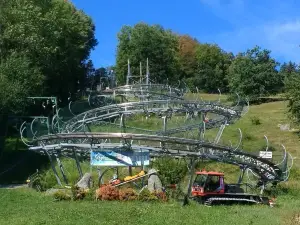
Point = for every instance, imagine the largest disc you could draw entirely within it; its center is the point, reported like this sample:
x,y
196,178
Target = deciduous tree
x,y
292,93
212,68
54,36
254,74
187,58
144,41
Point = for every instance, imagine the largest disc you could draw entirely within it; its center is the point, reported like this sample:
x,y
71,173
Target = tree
x,y
187,58
54,36
101,77
90,75
254,74
212,68
287,69
19,78
143,41
292,93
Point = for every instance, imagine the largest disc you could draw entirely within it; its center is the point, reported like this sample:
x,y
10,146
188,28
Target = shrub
x,y
175,193
255,120
90,194
171,171
146,196
248,137
161,196
61,195
107,192
287,188
78,193
127,194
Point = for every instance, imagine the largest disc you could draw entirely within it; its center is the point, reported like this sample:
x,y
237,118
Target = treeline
x,y
45,48
44,51
207,67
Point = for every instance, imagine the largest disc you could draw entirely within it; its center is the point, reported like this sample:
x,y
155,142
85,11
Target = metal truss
x,y
179,130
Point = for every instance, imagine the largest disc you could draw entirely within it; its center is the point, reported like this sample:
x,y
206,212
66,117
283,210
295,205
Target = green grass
x,y
29,207
207,97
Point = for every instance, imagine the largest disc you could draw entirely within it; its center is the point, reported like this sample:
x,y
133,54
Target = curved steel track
x,y
165,104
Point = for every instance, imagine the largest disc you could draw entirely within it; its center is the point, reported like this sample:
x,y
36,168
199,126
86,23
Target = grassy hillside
x,y
269,116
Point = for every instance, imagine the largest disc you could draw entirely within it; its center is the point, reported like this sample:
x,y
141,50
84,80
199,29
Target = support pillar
x,y
122,123
220,132
54,170
164,124
77,163
61,167
130,170
100,178
189,189
242,173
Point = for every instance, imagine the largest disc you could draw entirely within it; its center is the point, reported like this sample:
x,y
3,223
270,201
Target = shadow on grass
x,y
16,166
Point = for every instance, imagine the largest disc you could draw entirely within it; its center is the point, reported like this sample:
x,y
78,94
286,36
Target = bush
x,y
107,192
171,171
255,120
161,196
62,195
287,188
127,194
78,193
146,196
90,194
176,193
248,137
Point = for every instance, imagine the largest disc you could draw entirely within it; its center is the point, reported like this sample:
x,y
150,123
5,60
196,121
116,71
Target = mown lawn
x,y
28,207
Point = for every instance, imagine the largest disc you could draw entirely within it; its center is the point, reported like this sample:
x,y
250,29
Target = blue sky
x,y
234,25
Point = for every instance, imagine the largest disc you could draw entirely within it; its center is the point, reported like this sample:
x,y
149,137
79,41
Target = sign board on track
x,y
265,154
119,158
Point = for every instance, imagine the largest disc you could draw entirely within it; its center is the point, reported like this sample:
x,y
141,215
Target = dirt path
x,y
13,186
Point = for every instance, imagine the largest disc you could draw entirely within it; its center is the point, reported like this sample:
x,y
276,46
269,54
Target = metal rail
x,y
70,137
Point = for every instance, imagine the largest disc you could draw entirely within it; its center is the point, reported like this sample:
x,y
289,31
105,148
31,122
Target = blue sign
x,y
119,158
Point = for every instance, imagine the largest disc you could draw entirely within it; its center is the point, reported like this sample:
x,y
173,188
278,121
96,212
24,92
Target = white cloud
x,y
227,10
282,39
274,25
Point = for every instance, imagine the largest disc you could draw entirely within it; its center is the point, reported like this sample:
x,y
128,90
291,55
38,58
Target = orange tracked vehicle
x,y
210,188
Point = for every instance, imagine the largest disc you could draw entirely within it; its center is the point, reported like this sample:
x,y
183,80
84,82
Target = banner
x,y
120,158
